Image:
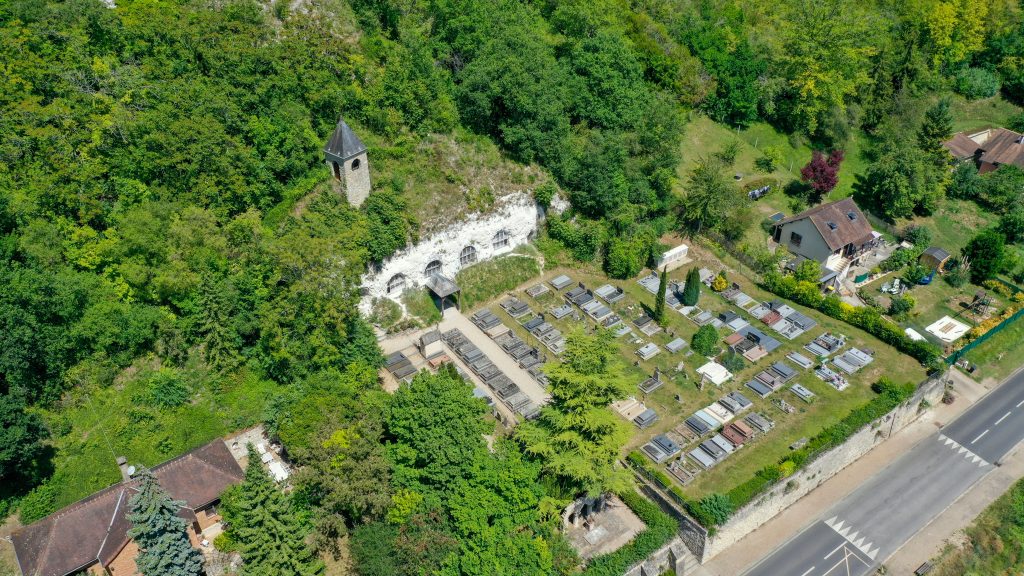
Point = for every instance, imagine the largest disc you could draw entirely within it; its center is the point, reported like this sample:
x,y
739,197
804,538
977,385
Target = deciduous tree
x,y
985,252
822,173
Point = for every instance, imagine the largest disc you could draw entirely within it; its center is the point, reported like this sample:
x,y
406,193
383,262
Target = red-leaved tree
x,y
822,173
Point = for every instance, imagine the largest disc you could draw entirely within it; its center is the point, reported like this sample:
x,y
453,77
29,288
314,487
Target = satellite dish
x,y
131,471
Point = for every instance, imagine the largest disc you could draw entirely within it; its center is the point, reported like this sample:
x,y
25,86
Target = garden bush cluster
x,y
864,317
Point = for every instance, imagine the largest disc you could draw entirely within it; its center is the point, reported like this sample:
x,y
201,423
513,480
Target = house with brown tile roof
x,y
989,148
92,534
835,234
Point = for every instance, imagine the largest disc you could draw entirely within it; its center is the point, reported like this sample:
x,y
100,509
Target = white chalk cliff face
x,y
479,237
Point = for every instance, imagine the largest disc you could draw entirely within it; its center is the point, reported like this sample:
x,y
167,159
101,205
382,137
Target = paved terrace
x,y
406,342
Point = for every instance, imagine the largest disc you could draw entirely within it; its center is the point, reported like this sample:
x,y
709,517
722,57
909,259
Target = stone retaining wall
x,y
765,507
671,556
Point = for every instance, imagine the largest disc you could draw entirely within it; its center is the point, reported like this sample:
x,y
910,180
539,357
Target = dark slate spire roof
x,y
344,143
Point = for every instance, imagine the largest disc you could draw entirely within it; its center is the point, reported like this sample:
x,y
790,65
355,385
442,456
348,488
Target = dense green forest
x,y
148,303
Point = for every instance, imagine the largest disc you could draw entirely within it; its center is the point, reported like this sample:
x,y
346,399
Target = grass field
x,y
979,114
829,407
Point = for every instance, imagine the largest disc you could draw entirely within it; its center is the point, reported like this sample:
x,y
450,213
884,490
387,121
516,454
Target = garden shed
x,y
933,258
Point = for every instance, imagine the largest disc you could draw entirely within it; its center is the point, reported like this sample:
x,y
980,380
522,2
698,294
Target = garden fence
x,y
952,358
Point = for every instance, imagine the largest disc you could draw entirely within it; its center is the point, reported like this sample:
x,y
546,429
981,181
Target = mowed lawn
x,y
680,397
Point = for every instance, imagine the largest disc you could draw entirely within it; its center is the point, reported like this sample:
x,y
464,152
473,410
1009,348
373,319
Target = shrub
x,y
900,258
733,362
769,159
975,83
544,194
915,273
166,389
919,236
863,317
900,306
890,395
705,340
998,287
720,283
716,508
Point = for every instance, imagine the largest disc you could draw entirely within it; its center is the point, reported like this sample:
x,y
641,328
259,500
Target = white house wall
x,y
516,213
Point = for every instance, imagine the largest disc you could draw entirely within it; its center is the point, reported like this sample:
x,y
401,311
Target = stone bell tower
x,y
345,154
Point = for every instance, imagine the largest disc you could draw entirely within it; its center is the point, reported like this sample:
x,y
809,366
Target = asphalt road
x,y
857,534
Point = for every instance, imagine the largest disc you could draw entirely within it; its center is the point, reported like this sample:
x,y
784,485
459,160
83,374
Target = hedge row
x,y
890,395
660,529
695,508
864,317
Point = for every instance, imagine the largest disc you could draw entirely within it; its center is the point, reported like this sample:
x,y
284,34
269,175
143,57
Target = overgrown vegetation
x,y
993,540
486,280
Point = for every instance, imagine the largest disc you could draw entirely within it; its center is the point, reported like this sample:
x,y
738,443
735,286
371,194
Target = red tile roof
x,y
839,223
95,528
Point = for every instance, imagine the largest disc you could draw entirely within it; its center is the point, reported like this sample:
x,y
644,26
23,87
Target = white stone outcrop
x,y
511,223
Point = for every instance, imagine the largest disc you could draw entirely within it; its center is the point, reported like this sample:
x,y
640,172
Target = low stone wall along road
x,y
856,535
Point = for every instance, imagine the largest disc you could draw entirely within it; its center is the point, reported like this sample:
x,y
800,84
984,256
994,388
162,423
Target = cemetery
x,y
779,372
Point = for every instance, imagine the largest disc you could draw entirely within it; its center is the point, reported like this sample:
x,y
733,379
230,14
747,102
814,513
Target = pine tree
x,y
659,301
164,548
936,128
263,523
691,292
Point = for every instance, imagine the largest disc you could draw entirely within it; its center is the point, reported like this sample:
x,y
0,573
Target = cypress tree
x,y
263,523
691,292
164,548
659,301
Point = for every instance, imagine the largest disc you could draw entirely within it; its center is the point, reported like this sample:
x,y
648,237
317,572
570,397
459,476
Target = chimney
x,y
122,464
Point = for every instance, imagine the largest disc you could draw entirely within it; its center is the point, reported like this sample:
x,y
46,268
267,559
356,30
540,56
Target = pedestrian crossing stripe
x,y
961,450
859,541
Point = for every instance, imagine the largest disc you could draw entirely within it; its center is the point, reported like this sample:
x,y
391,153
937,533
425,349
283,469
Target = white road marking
x,y
836,549
861,544
808,571
844,562
1001,419
974,458
979,436
1019,404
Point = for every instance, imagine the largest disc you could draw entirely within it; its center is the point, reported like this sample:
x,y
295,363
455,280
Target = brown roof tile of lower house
x,y
961,146
95,528
1004,147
